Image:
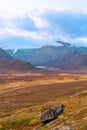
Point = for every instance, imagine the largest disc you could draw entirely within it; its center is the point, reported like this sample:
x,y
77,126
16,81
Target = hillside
x,y
7,63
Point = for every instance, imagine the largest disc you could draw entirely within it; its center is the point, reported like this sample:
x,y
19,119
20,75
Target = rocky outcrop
x,y
51,113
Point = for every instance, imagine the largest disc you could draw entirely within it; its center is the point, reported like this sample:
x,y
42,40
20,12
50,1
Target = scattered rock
x,y
51,113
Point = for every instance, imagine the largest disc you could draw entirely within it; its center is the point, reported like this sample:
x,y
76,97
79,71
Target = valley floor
x,y
22,99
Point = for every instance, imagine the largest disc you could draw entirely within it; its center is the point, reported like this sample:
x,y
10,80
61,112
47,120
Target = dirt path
x,y
17,88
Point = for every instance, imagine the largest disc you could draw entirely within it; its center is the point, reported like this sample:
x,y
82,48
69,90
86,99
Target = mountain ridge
x,y
66,56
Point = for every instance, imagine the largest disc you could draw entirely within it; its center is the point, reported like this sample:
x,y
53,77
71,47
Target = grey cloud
x,y
25,23
73,24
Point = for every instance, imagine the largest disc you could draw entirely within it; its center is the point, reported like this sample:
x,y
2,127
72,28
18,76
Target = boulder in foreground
x,y
51,113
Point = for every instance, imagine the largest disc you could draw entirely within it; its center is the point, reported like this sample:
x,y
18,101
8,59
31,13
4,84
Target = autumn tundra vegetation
x,y
24,97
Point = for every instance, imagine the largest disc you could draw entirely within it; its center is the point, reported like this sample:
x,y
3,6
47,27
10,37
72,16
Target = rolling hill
x,y
7,63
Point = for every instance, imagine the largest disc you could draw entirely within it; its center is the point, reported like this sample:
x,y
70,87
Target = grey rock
x,y
51,113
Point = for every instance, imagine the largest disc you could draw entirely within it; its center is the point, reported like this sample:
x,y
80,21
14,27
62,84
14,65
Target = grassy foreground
x,y
20,109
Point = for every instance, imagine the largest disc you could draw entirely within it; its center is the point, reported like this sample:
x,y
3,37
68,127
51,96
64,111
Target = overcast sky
x,y
33,23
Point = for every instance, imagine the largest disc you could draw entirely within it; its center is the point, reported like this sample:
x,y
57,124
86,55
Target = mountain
x,y
64,56
7,63
4,55
70,61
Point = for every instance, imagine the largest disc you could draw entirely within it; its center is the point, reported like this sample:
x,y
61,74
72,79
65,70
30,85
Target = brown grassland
x,y
23,97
